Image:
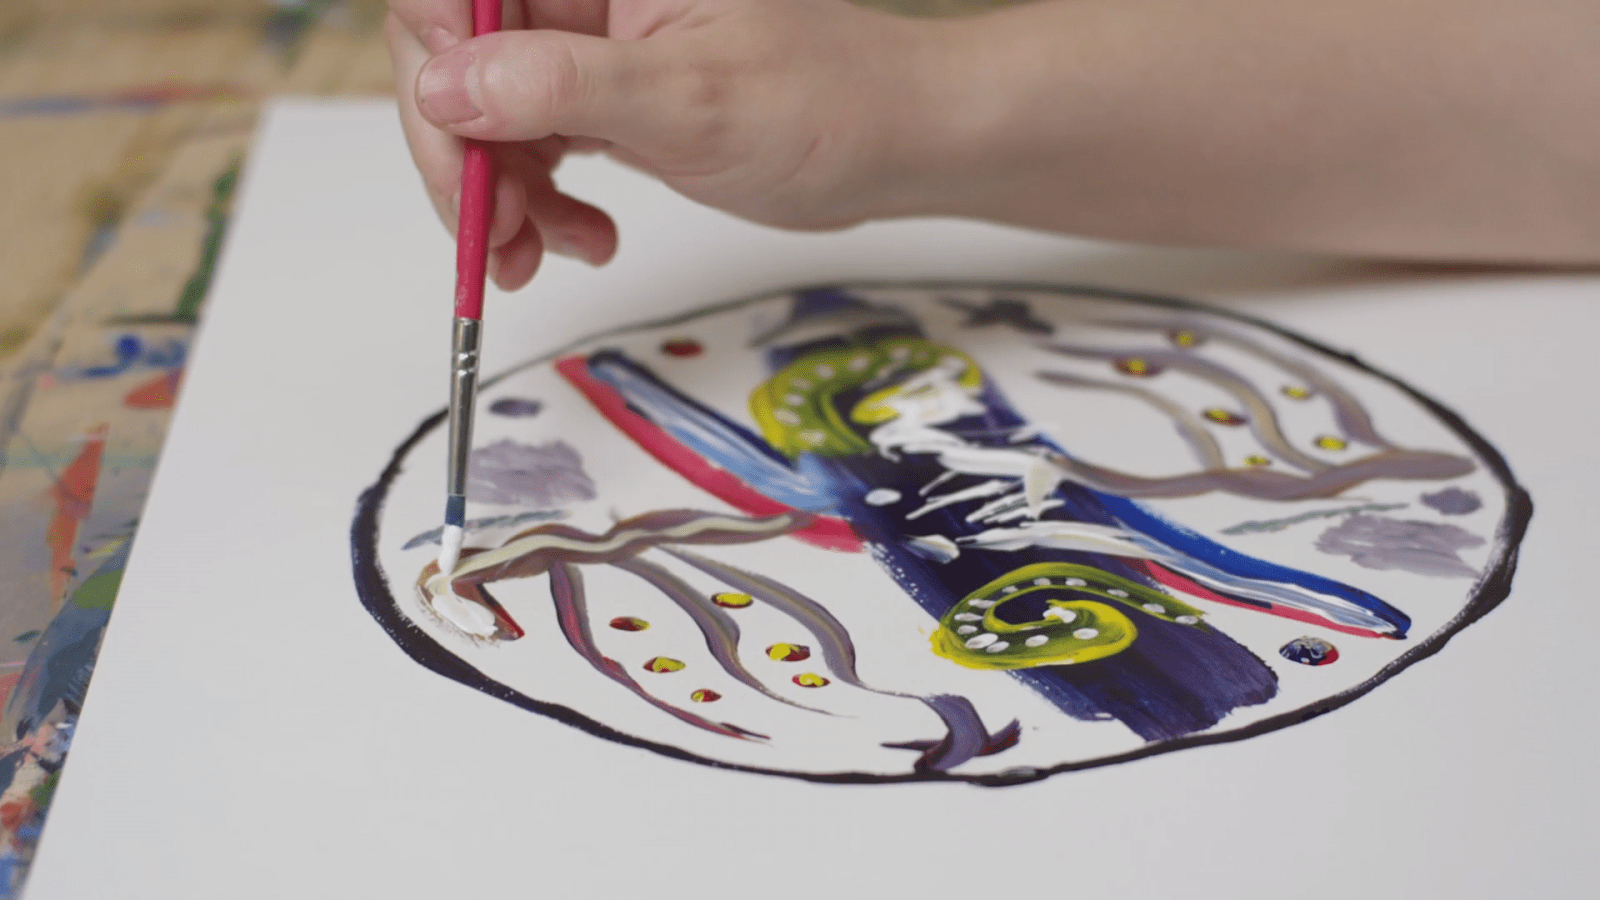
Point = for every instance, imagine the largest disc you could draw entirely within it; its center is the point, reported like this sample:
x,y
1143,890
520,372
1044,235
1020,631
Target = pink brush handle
x,y
477,197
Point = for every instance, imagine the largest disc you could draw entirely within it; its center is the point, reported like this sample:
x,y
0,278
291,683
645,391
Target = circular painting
x,y
893,532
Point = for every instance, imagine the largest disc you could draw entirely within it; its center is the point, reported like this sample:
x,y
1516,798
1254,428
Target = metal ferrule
x,y
463,392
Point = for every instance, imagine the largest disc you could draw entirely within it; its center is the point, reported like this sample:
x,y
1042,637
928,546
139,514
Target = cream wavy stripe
x,y
966,735
1264,484
718,628
772,526
1190,426
1262,419
1351,417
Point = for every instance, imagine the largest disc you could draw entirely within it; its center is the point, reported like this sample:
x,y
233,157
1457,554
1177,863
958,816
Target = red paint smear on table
x,y
160,392
8,683
1180,583
73,494
828,532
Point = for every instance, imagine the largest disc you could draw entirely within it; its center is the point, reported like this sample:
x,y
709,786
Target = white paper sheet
x,y
252,733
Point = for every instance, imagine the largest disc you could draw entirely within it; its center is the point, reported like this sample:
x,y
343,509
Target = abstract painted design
x,y
899,532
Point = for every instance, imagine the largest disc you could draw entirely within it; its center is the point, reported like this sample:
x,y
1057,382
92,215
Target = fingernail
x,y
445,89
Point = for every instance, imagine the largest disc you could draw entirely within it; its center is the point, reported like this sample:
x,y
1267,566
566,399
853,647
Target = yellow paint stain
x,y
810,680
663,664
705,695
1295,392
732,600
1223,417
1185,338
1329,442
1257,460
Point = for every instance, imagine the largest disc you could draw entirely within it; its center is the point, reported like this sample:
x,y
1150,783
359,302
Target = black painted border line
x,y
1492,588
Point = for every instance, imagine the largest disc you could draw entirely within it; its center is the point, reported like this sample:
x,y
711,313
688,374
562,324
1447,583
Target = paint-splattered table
x,y
123,125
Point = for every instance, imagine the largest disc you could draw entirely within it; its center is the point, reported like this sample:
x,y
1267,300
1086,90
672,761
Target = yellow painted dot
x,y
1223,417
810,680
1132,365
1185,338
663,664
1257,461
1329,442
1295,392
705,695
732,600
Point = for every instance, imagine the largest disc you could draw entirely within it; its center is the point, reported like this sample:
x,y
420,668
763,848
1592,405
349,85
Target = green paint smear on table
x,y
216,226
194,291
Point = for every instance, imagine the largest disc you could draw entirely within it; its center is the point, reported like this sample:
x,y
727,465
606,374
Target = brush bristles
x,y
453,534
450,540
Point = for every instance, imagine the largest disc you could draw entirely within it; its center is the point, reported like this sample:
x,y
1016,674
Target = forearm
x,y
1443,129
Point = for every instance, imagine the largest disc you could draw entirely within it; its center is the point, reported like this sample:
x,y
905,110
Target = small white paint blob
x,y
450,540
1156,608
464,614
1061,612
981,604
1084,634
1117,592
1038,640
936,547
1041,582
882,497
1075,582
1189,620
968,617
967,629
996,647
1009,589
981,641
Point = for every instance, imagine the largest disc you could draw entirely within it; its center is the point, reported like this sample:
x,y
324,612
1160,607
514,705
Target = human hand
x,y
796,113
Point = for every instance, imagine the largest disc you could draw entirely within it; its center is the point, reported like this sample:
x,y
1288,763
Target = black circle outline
x,y
1492,588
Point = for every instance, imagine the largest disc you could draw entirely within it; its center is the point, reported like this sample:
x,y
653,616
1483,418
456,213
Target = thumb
x,y
527,85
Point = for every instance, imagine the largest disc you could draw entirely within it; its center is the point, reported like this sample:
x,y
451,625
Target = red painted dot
x,y
682,347
629,623
788,652
705,695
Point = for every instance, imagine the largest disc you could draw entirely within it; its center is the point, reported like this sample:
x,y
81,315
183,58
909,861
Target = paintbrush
x,y
472,255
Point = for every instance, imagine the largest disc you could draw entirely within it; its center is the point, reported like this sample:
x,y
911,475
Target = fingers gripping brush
x,y
472,256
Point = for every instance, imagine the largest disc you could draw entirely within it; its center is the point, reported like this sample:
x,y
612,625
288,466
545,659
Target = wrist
x,y
957,126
